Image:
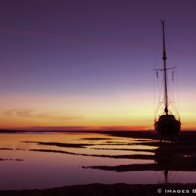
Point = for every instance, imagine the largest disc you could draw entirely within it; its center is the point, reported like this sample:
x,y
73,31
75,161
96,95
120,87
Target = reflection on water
x,y
43,160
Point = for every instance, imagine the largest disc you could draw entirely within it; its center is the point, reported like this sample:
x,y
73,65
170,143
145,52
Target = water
x,y
40,160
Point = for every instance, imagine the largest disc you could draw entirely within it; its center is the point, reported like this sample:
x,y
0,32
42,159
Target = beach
x,y
153,156
109,190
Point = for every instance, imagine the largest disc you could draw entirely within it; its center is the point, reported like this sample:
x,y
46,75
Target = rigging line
x,y
177,89
157,49
172,95
171,90
171,48
160,97
160,101
156,86
158,108
173,105
176,78
161,91
154,96
157,95
156,59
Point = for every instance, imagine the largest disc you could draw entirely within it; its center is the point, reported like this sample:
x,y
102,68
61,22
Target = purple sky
x,y
94,47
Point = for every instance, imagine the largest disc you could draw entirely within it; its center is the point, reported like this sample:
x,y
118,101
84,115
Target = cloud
x,y
50,116
24,113
63,128
27,113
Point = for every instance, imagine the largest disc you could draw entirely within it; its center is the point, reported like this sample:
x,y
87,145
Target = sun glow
x,y
125,112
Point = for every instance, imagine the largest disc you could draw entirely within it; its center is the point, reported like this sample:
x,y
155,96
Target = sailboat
x,y
167,124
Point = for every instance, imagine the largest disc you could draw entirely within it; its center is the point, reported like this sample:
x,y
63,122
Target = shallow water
x,y
25,163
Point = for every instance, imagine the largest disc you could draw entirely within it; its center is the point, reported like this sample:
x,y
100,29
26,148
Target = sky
x,y
90,64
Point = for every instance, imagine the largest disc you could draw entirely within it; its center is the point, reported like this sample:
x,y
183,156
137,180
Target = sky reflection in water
x,y
43,160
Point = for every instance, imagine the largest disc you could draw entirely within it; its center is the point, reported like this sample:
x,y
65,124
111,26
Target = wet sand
x,y
171,156
178,155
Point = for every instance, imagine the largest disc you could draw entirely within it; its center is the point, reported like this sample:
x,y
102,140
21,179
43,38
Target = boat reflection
x,y
168,157
175,156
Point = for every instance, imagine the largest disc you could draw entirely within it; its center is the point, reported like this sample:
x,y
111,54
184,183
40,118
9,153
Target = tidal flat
x,y
49,163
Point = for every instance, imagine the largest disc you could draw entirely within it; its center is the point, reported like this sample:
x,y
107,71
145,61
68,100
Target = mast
x,y
165,70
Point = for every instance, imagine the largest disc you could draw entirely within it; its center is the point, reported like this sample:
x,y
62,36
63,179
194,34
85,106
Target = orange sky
x,y
125,111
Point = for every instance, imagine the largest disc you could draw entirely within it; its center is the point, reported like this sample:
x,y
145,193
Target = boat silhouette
x,y
167,124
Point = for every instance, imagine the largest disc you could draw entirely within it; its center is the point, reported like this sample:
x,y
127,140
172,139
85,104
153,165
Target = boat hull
x,y
167,125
